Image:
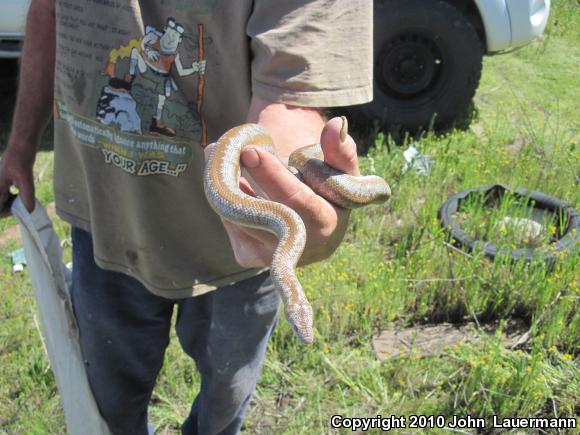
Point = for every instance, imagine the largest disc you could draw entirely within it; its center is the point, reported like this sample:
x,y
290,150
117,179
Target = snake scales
x,y
221,183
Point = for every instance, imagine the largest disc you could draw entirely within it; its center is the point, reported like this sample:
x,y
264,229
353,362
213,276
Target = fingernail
x,y
250,158
343,130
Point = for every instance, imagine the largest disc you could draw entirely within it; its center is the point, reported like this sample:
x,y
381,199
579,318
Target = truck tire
x,y
427,65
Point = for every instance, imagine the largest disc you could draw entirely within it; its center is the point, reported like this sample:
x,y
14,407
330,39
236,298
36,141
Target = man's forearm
x,y
36,83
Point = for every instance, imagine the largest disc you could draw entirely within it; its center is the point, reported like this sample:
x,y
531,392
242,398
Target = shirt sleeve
x,y
315,53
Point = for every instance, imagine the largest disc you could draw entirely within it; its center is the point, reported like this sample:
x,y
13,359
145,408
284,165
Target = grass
x,y
395,268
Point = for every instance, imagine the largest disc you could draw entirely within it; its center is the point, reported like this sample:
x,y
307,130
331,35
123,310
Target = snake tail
x,y
342,189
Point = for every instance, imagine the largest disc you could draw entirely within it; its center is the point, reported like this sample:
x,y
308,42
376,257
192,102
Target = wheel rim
x,y
409,66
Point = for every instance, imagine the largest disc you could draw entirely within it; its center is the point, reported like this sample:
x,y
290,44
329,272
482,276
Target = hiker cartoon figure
x,y
153,56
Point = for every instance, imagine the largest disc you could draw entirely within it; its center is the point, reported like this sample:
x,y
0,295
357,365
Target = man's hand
x,y
325,223
16,170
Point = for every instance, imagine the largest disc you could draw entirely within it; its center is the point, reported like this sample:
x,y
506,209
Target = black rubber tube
x,y
570,235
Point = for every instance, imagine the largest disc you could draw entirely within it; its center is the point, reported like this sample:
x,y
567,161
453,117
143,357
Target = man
x,y
144,238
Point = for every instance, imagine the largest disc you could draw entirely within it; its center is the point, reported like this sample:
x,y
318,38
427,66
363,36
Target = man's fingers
x,y
7,197
16,169
252,248
266,238
277,182
25,191
245,186
338,147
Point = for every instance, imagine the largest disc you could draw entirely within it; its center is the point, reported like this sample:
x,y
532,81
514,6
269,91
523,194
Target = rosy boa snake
x,y
221,183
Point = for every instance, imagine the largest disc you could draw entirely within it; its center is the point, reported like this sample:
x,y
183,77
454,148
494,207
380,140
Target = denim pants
x,y
124,331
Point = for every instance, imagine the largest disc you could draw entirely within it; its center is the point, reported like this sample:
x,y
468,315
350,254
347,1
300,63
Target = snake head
x,y
299,317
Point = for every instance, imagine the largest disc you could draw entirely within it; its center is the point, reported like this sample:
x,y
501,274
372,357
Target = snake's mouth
x,y
303,331
299,317
304,338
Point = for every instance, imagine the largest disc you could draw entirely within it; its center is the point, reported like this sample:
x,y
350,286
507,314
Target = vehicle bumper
x,y
512,23
528,19
10,45
12,24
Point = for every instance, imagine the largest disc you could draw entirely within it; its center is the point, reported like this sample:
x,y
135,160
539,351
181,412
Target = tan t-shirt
x,y
132,110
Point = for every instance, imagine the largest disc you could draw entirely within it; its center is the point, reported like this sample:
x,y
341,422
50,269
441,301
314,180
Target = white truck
x,y
428,56
427,53
12,20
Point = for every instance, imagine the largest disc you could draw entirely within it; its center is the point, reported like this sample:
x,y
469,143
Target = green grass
x,y
396,268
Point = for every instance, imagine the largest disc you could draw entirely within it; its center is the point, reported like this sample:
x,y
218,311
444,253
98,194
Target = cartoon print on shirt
x,y
142,125
153,58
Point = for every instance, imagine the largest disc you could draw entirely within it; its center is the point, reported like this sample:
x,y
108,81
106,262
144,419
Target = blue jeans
x,y
124,331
